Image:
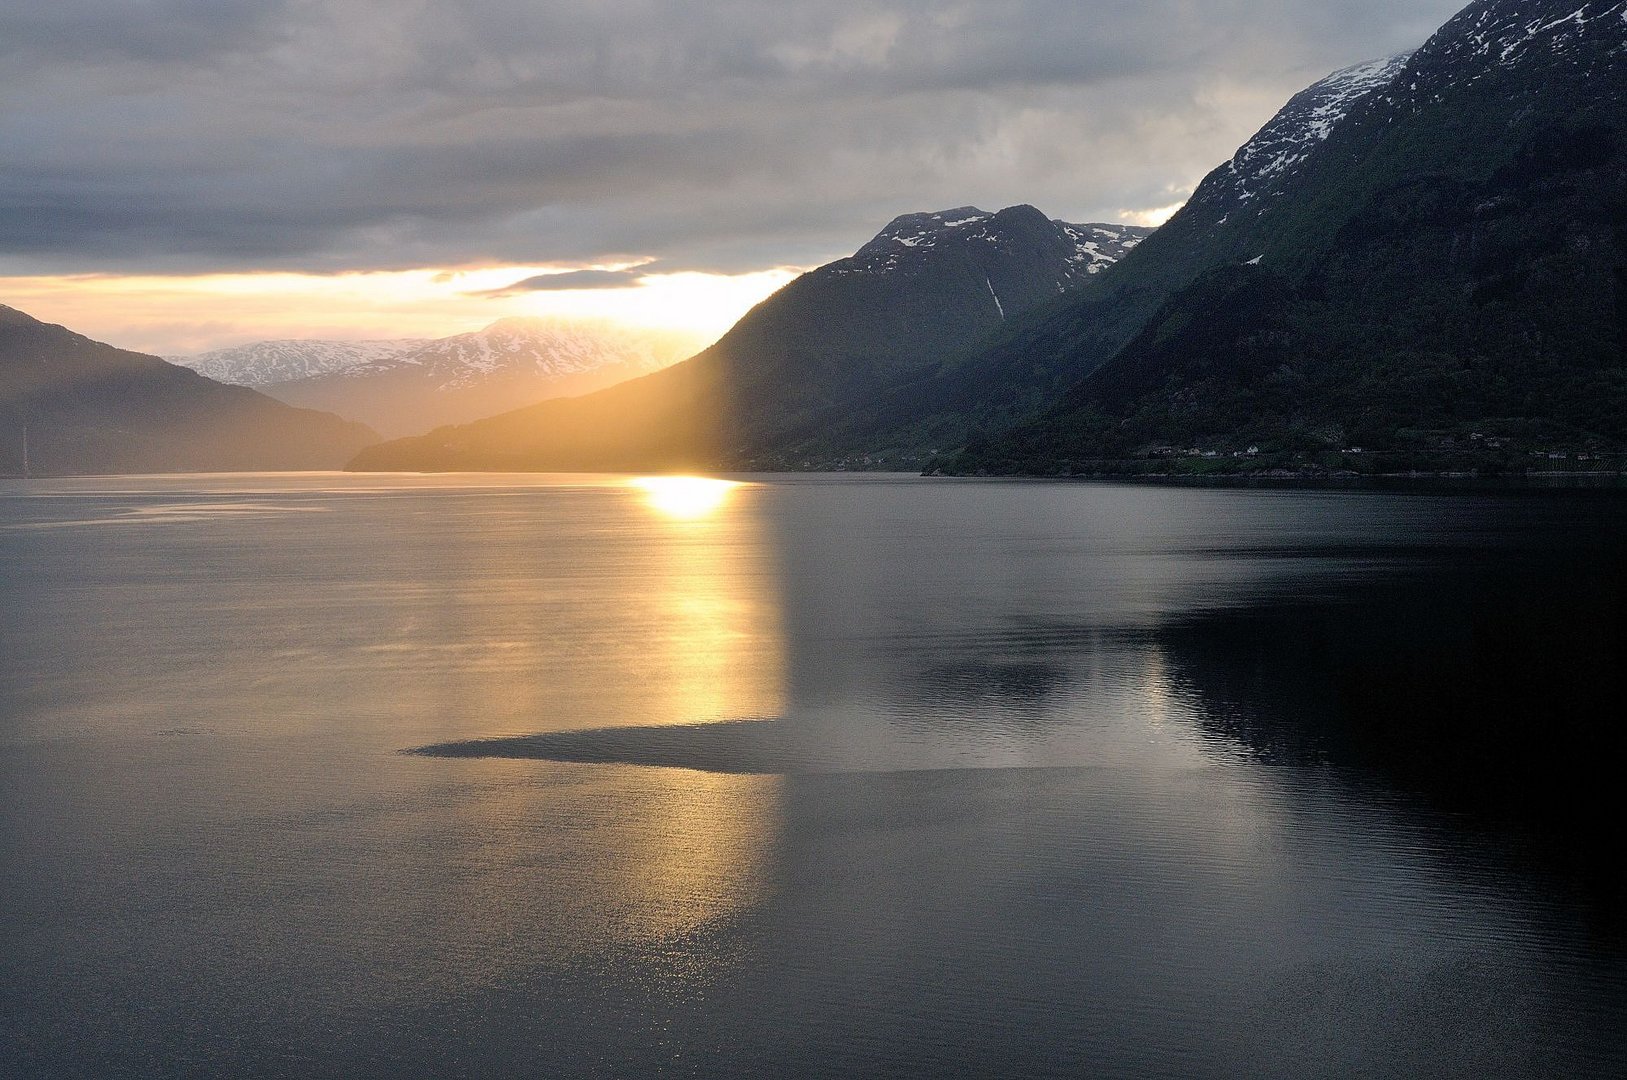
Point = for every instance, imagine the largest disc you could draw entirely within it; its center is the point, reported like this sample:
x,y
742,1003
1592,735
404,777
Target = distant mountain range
x,y
414,385
92,408
927,286
261,364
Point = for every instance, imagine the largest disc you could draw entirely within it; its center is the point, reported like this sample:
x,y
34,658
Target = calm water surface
x,y
354,776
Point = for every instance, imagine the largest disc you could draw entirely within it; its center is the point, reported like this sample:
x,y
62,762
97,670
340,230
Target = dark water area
x,y
567,776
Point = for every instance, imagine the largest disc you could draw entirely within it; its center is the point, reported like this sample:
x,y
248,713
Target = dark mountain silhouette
x,y
92,408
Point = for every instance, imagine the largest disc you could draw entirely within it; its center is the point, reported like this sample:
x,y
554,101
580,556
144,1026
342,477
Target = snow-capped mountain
x,y
266,363
1421,257
512,362
545,348
1485,38
1082,249
1265,165
1331,124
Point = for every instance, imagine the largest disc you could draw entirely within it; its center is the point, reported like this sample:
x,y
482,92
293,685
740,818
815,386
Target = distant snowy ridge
x,y
267,363
513,361
532,347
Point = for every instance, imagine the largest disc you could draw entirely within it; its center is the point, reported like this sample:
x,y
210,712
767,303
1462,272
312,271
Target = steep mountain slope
x,y
1444,272
1267,165
92,408
266,363
512,362
769,391
1037,359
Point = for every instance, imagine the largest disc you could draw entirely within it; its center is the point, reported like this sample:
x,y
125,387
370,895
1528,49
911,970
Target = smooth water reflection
x,y
803,776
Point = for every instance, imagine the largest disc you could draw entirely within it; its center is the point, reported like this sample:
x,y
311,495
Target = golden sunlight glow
x,y
686,498
1153,216
712,648
683,627
181,314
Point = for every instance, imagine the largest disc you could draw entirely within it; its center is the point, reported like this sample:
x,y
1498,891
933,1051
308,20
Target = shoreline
x,y
1275,478
1457,480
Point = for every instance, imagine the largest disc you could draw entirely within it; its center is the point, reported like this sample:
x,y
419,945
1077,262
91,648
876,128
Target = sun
x,y
686,498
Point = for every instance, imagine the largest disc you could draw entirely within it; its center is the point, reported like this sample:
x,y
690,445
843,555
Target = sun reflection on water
x,y
659,608
686,498
712,648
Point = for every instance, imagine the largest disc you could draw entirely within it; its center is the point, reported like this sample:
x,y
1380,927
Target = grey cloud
x,y
575,279
140,31
177,135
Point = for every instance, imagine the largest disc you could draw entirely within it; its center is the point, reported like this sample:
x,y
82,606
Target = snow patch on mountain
x,y
1096,247
1281,148
1499,33
1487,39
1491,38
1091,248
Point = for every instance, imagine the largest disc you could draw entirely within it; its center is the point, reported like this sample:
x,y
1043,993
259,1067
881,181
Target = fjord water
x,y
568,776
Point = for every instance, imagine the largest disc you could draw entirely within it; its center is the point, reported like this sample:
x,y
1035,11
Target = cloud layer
x,y
177,136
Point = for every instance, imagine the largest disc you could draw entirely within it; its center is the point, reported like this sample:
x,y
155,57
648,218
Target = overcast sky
x,y
183,136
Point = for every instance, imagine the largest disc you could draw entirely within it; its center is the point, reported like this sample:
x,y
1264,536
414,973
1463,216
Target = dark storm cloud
x,y
325,134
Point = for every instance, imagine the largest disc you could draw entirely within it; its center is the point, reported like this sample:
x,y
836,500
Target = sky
x,y
185,174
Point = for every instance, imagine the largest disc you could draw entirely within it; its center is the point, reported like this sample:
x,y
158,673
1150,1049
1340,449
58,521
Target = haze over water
x,y
577,776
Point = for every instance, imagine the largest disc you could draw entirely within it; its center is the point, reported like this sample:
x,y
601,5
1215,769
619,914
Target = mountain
x,y
266,363
1266,166
1437,279
467,376
1066,252
768,393
1035,360
92,408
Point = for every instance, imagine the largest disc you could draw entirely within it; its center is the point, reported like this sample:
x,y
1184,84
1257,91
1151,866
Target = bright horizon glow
x,y
184,314
686,498
1152,217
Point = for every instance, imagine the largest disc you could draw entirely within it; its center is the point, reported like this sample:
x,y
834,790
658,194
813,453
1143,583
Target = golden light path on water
x,y
687,498
680,625
715,652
